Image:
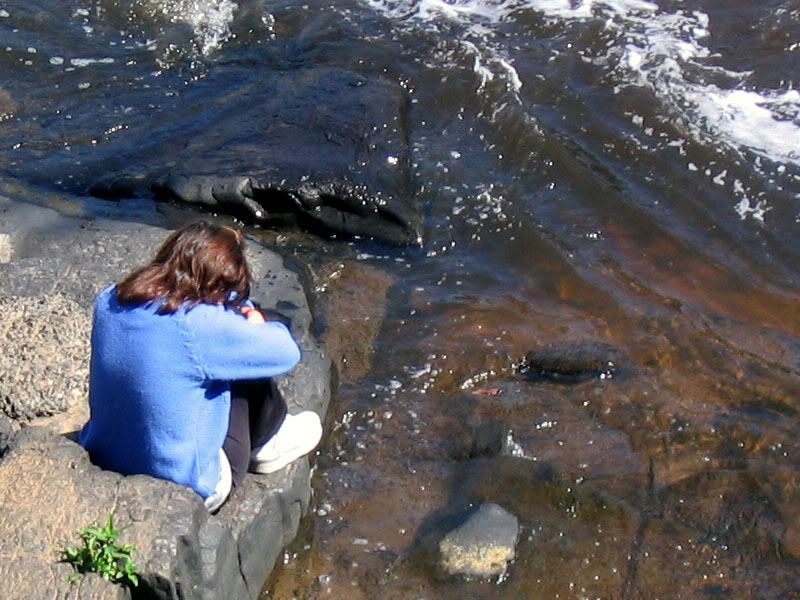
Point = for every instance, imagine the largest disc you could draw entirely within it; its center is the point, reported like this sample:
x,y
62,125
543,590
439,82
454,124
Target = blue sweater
x,y
159,385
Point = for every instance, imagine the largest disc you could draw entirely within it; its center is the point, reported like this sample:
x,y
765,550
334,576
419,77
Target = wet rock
x,y
352,325
48,487
727,505
675,561
483,546
576,537
567,428
490,439
573,362
319,147
781,484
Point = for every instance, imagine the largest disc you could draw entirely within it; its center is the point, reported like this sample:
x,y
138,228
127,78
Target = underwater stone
x,y
483,546
573,362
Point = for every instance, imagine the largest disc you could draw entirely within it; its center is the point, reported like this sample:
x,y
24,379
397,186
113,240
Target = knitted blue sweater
x,y
159,385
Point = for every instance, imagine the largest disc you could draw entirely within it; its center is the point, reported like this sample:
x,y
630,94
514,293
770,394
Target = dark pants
x,y
257,412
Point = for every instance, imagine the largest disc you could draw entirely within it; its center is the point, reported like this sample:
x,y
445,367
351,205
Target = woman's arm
x,y
230,346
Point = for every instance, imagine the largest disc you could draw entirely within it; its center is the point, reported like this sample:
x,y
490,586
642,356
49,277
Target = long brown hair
x,y
199,263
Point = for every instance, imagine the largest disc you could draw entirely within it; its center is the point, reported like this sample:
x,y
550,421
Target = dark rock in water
x,y
320,147
572,362
483,546
728,505
490,439
48,487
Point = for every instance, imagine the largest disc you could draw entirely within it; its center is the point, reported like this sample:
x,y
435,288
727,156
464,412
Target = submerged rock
x,y
48,487
490,439
573,362
483,546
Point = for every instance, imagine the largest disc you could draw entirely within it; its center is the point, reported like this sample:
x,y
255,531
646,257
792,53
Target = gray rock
x,y
47,370
48,487
483,546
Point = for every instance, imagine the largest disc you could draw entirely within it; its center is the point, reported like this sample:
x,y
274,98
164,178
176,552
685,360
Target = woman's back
x,y
160,385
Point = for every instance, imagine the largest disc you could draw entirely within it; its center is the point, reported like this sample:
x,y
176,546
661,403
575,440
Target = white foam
x,y
490,61
657,49
209,19
85,62
662,47
750,119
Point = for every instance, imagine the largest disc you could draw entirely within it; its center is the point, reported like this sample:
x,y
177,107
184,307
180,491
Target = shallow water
x,y
621,171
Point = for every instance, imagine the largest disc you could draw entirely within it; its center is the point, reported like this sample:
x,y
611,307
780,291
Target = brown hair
x,y
199,263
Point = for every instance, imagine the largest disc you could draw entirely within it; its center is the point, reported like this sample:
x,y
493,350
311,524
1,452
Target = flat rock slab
x,y
483,546
48,487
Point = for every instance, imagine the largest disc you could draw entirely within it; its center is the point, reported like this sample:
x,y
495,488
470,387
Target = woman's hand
x,y
253,315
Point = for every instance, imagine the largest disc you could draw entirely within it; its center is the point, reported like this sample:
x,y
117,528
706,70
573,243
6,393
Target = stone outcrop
x,y
48,487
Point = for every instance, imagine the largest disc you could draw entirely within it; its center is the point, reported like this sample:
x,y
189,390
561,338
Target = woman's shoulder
x,y
204,312
107,301
106,298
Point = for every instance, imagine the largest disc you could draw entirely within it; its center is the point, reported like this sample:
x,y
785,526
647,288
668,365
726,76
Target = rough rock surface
x,y
483,545
48,487
47,370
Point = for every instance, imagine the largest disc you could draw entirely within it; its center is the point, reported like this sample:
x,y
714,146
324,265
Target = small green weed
x,y
101,554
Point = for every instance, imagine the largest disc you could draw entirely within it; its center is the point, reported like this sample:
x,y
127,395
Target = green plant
x,y
101,554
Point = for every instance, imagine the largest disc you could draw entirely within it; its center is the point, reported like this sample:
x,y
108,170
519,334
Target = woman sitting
x,y
180,372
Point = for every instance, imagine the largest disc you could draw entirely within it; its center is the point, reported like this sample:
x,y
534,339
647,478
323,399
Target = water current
x,y
620,171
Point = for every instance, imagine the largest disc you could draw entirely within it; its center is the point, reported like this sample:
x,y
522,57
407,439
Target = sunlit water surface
x,y
622,171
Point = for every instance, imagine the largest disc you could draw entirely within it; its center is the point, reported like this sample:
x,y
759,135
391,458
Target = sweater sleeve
x,y
229,347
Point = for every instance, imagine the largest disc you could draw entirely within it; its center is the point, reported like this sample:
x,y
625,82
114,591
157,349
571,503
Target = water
x,y
623,171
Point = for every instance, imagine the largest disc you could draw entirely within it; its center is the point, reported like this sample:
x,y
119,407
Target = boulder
x,y
483,546
48,487
320,147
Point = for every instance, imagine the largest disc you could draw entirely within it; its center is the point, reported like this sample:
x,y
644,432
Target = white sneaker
x,y
224,485
299,434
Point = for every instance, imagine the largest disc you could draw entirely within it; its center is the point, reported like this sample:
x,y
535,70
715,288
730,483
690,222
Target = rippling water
x,y
622,171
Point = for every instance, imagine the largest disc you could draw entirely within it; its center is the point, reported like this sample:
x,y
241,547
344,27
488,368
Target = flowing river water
x,y
619,171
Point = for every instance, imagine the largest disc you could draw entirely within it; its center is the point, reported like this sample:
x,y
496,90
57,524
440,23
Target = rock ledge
x,y
48,487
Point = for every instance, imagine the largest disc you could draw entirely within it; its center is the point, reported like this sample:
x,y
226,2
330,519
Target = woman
x,y
179,372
